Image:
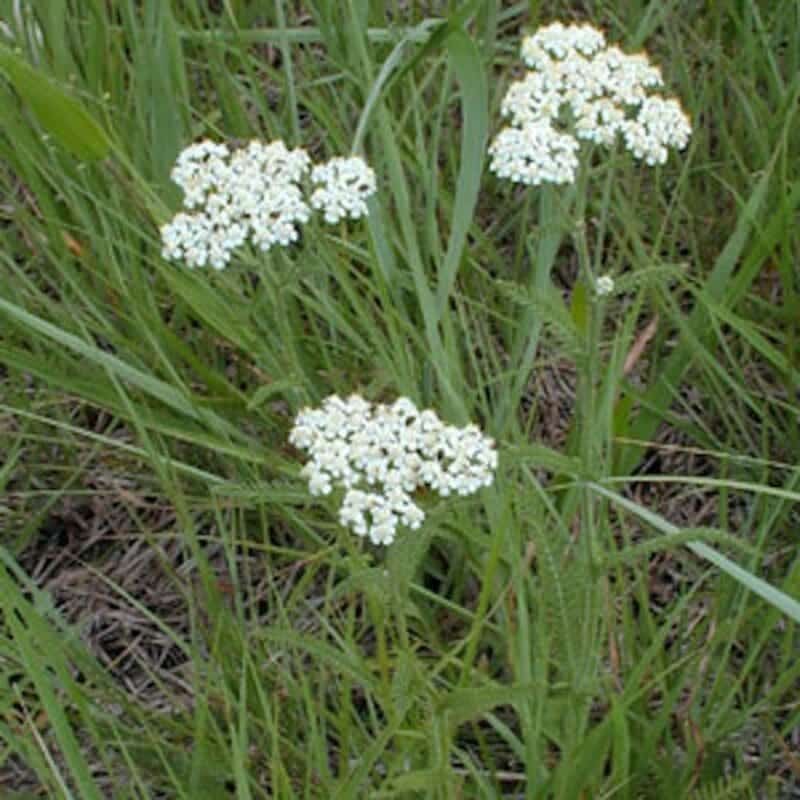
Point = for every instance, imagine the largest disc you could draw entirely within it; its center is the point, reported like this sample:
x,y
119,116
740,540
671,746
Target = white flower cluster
x,y
254,193
604,285
536,153
344,184
380,454
608,95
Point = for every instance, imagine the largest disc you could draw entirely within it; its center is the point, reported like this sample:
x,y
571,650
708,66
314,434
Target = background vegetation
x,y
181,620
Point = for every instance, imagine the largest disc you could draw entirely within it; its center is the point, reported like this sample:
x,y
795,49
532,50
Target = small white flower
x,y
344,184
394,450
604,285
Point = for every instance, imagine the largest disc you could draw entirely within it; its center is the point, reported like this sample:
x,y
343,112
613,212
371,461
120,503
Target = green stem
x,y
525,339
485,597
587,376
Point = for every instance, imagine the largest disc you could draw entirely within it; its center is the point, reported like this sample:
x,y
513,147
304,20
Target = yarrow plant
x,y
255,193
580,88
381,454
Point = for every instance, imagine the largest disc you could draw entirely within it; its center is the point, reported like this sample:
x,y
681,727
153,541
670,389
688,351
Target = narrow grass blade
x,y
766,591
661,393
466,61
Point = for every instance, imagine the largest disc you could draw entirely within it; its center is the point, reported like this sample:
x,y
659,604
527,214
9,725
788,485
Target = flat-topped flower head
x,y
579,88
380,454
255,194
252,193
343,187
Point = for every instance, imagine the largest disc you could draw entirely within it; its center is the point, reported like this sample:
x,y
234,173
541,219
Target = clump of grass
x,y
181,619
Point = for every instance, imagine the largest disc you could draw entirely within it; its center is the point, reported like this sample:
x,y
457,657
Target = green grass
x,y
518,644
